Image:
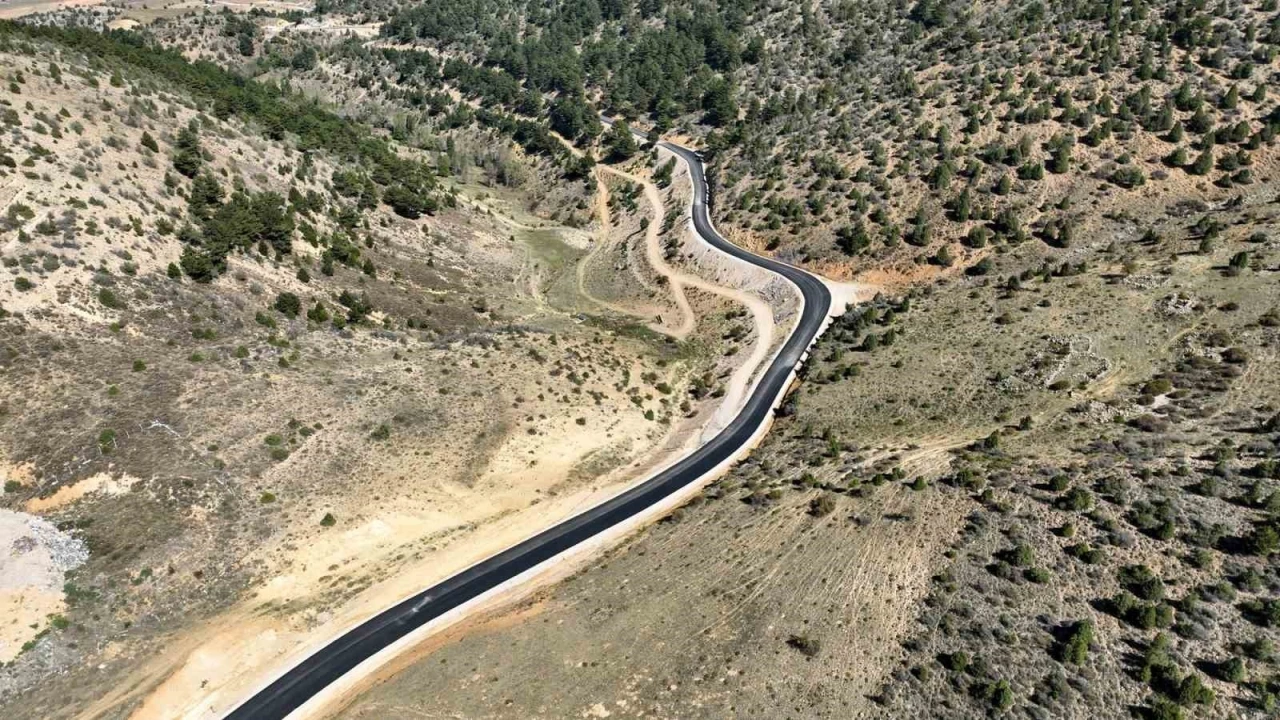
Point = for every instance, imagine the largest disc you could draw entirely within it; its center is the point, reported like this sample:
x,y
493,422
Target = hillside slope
x,y
265,370
1036,478
859,136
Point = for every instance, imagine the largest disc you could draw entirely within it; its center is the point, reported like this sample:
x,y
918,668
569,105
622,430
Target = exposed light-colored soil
x,y
34,555
764,340
144,9
12,9
101,482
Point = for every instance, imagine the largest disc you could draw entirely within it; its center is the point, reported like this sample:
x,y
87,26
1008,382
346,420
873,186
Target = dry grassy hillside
x,y
964,126
262,377
900,137
1042,488
246,381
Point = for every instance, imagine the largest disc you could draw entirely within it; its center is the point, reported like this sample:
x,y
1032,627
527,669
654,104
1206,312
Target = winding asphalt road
x,y
297,685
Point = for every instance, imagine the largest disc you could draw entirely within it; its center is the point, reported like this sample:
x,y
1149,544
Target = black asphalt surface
x,y
312,675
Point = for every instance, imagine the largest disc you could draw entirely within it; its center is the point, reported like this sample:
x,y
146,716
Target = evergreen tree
x,y
1203,163
620,143
205,196
187,156
718,103
288,304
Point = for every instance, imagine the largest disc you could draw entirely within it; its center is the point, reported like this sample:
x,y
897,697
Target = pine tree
x,y
205,196
1203,163
187,157
620,143
719,104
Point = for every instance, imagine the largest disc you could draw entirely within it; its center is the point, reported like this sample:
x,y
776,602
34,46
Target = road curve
x,y
297,685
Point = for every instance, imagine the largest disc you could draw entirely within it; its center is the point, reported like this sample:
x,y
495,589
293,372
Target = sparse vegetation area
x,y
294,302
241,332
